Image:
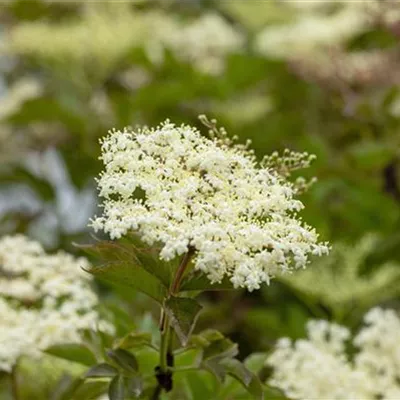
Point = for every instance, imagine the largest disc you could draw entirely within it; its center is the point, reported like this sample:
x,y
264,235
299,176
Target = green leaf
x,y
199,281
133,340
134,386
124,359
73,389
200,385
250,381
255,362
216,369
188,357
273,393
78,353
147,359
97,342
66,388
116,390
183,313
102,370
90,390
255,388
150,260
205,338
131,276
238,370
121,266
219,349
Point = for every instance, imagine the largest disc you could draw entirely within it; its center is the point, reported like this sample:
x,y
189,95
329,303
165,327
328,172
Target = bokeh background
x,y
319,76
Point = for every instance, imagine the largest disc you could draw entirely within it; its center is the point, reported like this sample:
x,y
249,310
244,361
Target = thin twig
x,y
181,271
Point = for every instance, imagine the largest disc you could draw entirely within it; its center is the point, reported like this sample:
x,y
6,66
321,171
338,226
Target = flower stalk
x,y
163,371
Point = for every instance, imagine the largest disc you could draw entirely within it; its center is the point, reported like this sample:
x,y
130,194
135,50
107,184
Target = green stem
x,y
14,383
165,326
157,392
180,272
165,339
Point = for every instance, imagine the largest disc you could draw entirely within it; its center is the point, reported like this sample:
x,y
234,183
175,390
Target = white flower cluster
x,y
311,31
101,37
319,367
44,300
105,35
205,42
205,194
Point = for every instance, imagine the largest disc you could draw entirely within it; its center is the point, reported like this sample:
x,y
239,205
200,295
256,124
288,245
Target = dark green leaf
x,y
122,267
219,349
124,359
102,370
133,340
116,390
128,275
199,281
183,313
73,352
150,260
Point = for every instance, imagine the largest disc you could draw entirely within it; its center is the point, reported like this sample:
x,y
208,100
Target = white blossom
x,y
311,32
105,35
379,355
44,300
319,367
205,42
206,194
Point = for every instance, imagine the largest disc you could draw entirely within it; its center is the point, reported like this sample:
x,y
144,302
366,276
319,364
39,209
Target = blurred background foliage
x,y
315,76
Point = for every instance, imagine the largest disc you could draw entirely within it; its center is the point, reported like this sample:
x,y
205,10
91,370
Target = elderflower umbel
x,y
205,42
45,300
105,35
205,194
319,367
311,33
